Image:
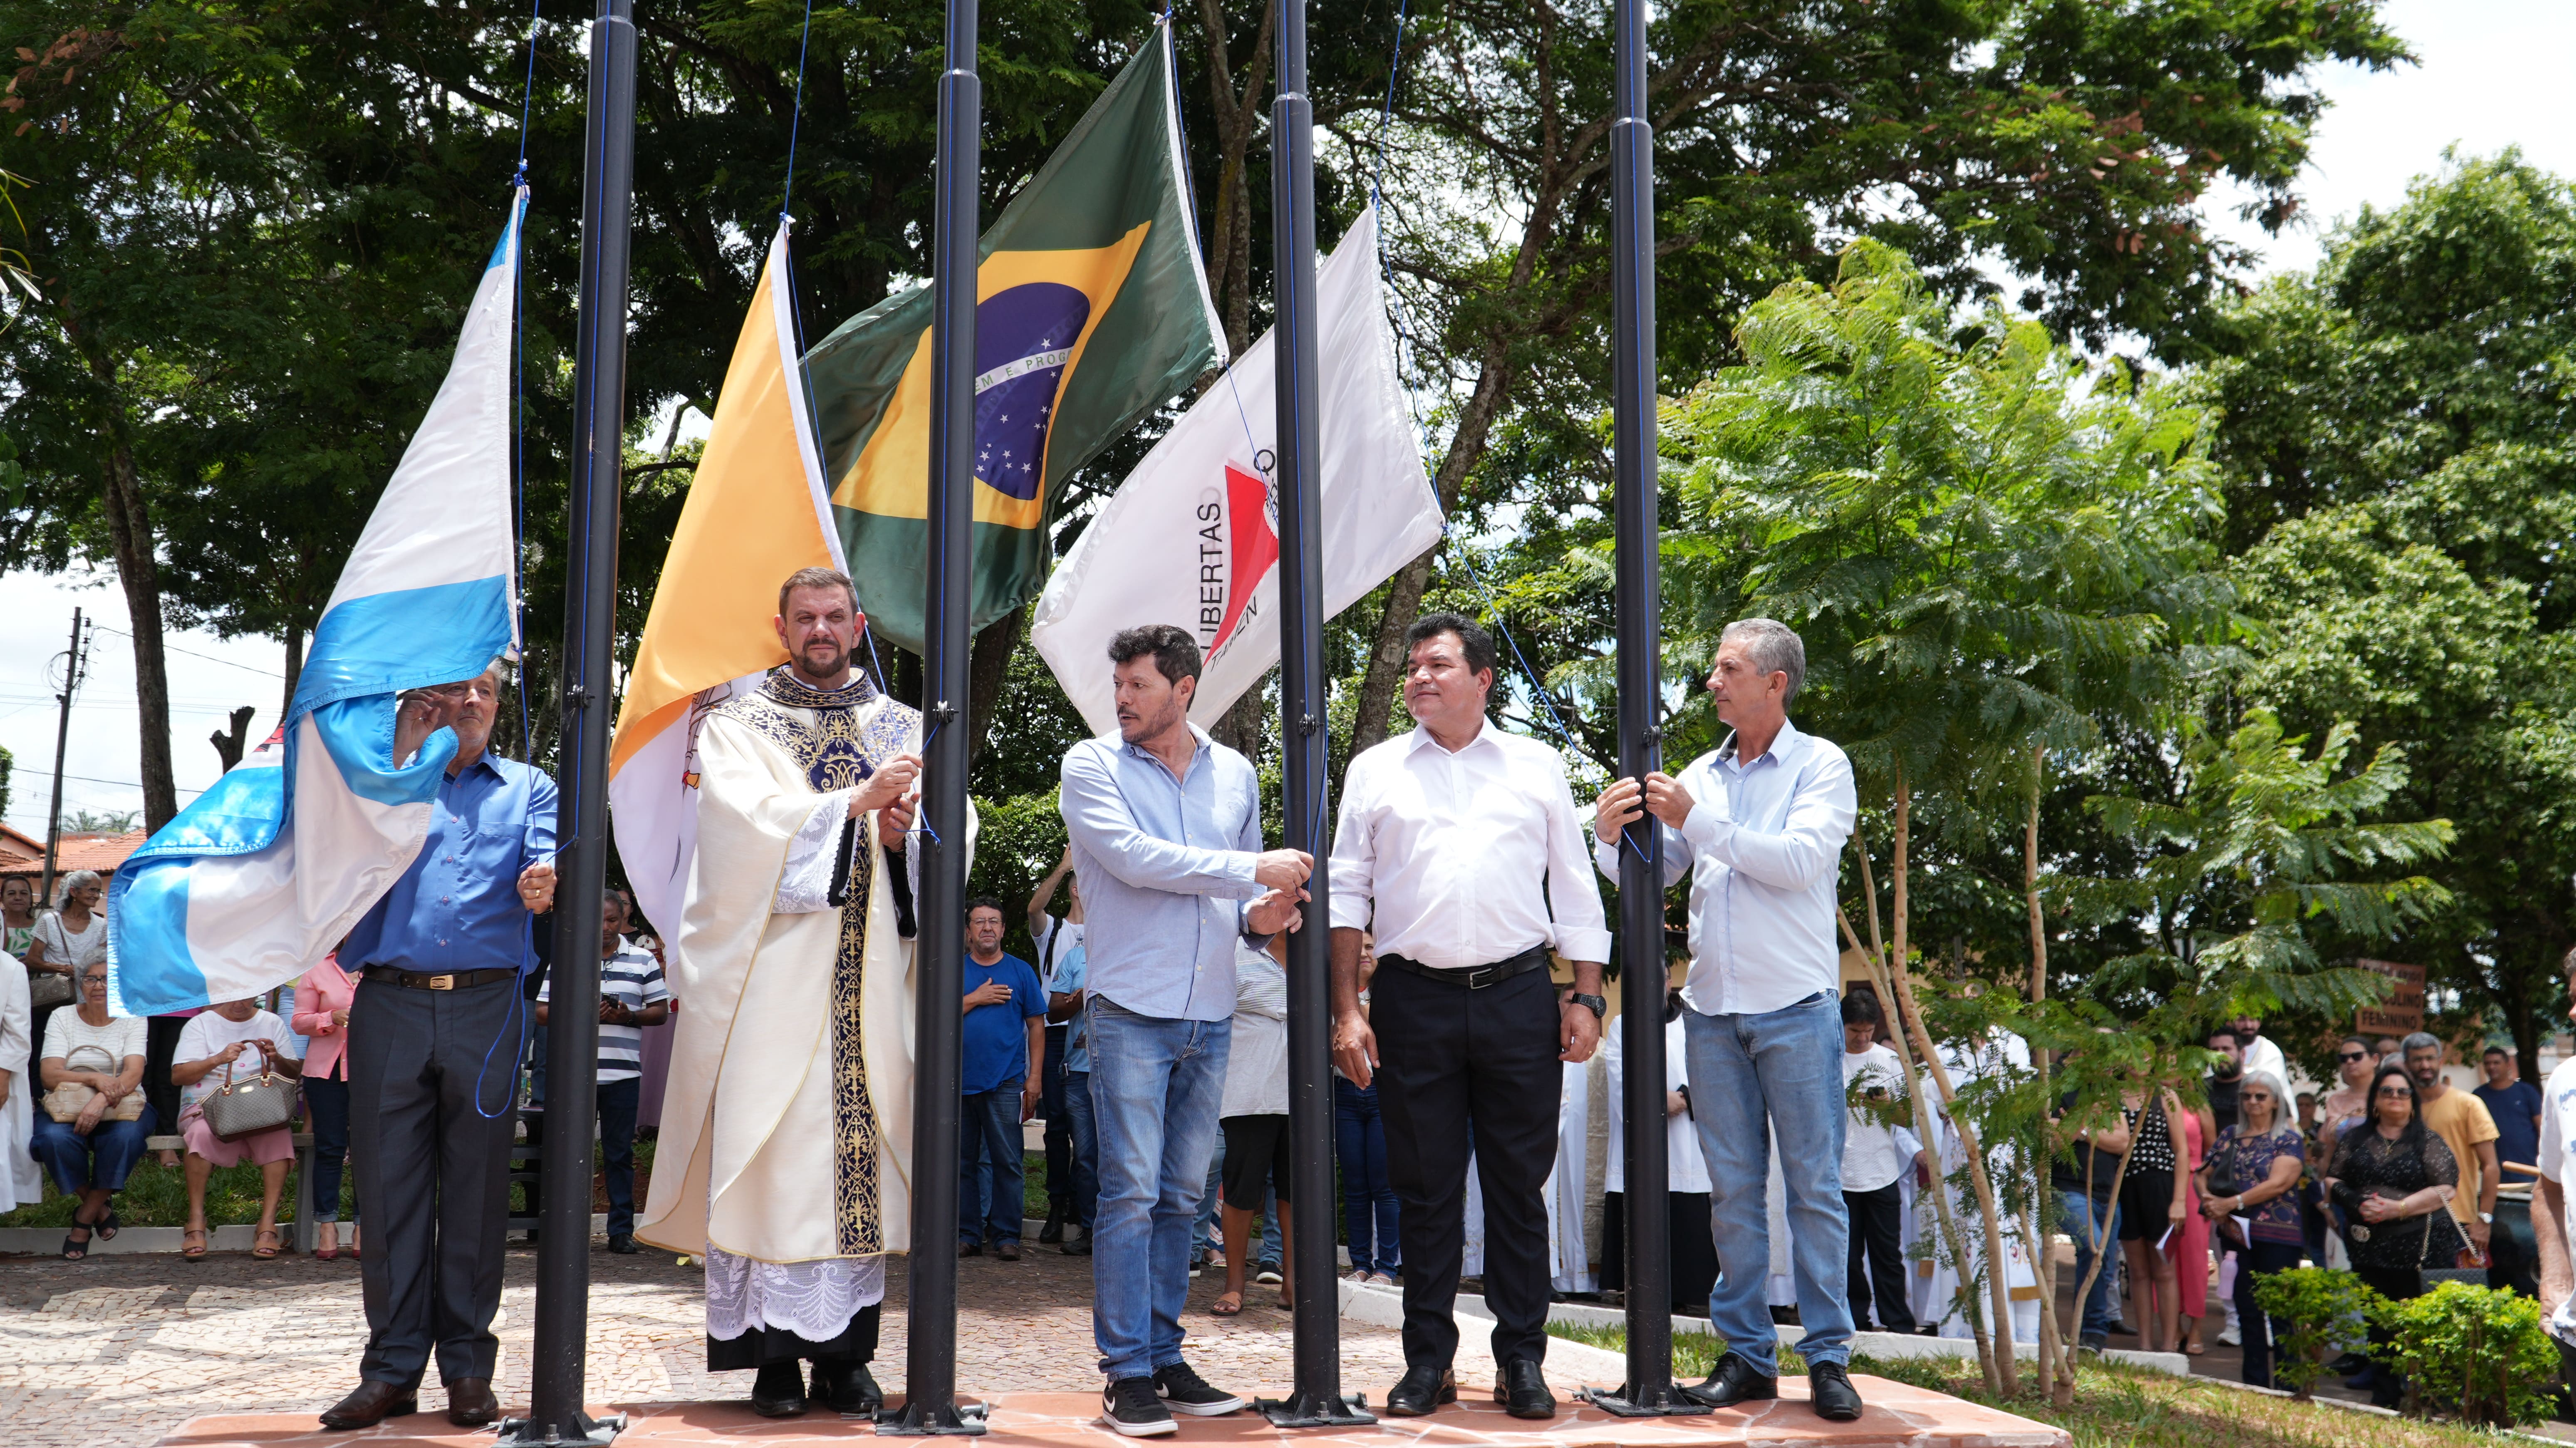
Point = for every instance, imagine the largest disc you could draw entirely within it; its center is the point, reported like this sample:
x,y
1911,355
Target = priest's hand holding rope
x,y
888,786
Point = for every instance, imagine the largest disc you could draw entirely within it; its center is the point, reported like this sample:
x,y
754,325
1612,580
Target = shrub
x,y
2315,1302
2478,1347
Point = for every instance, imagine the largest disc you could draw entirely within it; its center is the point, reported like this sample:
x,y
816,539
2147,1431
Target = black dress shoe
x,y
1522,1390
470,1403
779,1391
1053,1231
371,1404
621,1244
1735,1381
1830,1388
847,1387
1422,1390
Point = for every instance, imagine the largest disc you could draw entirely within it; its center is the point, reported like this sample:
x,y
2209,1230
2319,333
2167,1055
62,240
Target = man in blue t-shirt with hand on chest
x,y
1005,1040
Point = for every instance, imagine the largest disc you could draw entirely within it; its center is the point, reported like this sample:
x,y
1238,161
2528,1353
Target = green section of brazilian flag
x,y
1091,310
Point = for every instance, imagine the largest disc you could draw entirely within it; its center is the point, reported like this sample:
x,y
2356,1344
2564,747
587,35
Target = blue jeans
x,y
1782,1068
1368,1202
326,1099
618,1103
1204,1232
1086,1148
1155,1088
988,1160
101,1159
2082,1219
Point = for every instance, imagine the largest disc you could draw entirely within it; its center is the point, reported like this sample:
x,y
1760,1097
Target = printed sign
x,y
2403,1012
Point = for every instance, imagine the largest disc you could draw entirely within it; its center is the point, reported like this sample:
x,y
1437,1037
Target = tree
x,y
2070,143
2399,488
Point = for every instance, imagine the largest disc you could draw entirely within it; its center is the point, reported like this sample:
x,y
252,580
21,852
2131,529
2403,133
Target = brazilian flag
x,y
1091,310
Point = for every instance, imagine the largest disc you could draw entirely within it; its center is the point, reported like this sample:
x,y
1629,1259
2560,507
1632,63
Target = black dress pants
x,y
1452,1060
1876,1226
425,1068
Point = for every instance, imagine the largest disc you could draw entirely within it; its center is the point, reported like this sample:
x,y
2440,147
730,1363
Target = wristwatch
x,y
2487,1217
1593,1003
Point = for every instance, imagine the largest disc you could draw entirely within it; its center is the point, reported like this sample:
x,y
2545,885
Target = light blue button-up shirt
x,y
457,907
1762,846
1166,867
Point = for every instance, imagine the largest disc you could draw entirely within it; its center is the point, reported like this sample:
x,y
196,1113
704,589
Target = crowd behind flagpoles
x,y
1407,940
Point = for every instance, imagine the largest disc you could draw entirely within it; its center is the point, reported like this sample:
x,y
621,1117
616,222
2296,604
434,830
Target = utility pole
x,y
73,669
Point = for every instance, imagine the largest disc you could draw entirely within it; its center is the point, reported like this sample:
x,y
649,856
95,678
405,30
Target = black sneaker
x,y
1132,1408
621,1244
1184,1391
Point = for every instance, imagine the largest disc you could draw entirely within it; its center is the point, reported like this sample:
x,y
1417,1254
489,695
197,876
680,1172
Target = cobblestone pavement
x,y
116,1351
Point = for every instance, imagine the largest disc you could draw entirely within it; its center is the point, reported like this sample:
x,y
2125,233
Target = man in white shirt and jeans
x,y
1759,827
2552,1226
1459,843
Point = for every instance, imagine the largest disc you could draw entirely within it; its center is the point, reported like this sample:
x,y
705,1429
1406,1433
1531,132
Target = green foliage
x,y
2318,1303
2262,846
2480,1351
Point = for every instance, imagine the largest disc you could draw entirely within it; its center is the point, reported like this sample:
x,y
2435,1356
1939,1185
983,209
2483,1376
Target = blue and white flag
x,y
265,872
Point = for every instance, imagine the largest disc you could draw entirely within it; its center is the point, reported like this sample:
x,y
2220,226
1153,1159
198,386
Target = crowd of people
x,y
1467,943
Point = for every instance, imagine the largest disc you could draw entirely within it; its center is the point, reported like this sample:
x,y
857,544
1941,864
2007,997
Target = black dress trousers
x,y
1454,1060
433,1083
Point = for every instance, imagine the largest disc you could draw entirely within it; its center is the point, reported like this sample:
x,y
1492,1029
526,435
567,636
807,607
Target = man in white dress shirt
x,y
1759,828
1460,845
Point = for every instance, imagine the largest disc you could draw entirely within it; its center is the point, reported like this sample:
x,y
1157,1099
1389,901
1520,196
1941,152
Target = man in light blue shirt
x,y
1166,831
1759,828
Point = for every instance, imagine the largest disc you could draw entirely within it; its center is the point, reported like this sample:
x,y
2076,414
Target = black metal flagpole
x,y
1317,1400
555,1412
1649,1390
930,1322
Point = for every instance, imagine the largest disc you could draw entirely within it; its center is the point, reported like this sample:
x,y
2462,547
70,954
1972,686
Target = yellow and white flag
x,y
757,511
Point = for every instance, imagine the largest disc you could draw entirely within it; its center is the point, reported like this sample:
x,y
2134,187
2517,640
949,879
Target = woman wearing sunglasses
x,y
2245,1189
2394,1180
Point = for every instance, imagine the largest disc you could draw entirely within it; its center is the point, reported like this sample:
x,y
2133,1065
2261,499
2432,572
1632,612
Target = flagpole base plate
x,y
583,1430
947,1420
1316,1410
1664,1402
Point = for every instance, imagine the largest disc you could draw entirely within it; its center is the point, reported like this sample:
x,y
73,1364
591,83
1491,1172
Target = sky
x,y
2490,74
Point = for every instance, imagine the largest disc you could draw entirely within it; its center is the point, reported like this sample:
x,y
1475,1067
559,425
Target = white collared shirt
x,y
1465,859
1875,1152
1762,846
2557,1163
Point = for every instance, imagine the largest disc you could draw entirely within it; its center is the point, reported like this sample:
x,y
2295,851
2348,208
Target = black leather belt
x,y
1475,977
454,980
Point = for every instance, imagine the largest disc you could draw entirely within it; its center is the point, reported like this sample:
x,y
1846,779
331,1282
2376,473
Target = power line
x,y
209,658
87,779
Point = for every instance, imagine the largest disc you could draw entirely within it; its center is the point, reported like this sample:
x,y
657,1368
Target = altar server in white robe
x,y
2001,1054
1692,1261
786,1143
21,1184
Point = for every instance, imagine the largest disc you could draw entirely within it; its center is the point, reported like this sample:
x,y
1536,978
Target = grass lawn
x,y
2117,1406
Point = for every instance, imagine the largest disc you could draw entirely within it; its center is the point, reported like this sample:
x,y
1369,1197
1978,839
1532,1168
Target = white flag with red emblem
x,y
1192,537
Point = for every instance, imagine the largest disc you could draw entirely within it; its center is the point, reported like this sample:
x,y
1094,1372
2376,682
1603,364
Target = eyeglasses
x,y
2348,1057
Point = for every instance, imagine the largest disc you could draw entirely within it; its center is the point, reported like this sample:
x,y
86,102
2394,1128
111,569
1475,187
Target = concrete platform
x,y
1899,1416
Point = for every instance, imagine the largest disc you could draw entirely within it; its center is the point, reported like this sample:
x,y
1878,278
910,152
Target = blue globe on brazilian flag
x,y
1092,310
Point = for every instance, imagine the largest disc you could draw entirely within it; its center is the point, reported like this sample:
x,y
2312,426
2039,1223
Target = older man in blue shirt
x,y
1759,827
434,1042
1166,832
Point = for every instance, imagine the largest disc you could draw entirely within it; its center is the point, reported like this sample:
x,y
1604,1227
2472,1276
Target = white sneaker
x,y
2230,1337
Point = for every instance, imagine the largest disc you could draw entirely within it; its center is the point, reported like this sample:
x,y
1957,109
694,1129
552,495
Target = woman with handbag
x,y
236,1080
2248,1193
58,947
2394,1179
95,1120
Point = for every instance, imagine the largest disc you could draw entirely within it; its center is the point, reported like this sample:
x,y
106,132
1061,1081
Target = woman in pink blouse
x,y
321,1015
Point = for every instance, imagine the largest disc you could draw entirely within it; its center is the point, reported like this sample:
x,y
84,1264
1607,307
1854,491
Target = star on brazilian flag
x,y
1091,311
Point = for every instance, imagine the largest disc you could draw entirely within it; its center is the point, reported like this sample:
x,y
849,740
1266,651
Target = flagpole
x,y
555,1407
1317,1400
1649,1389
930,1331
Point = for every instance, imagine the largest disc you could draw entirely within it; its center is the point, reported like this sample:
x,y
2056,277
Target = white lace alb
x,y
814,1300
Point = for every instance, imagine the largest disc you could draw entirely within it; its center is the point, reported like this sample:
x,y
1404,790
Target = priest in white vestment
x,y
786,1143
2002,1054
